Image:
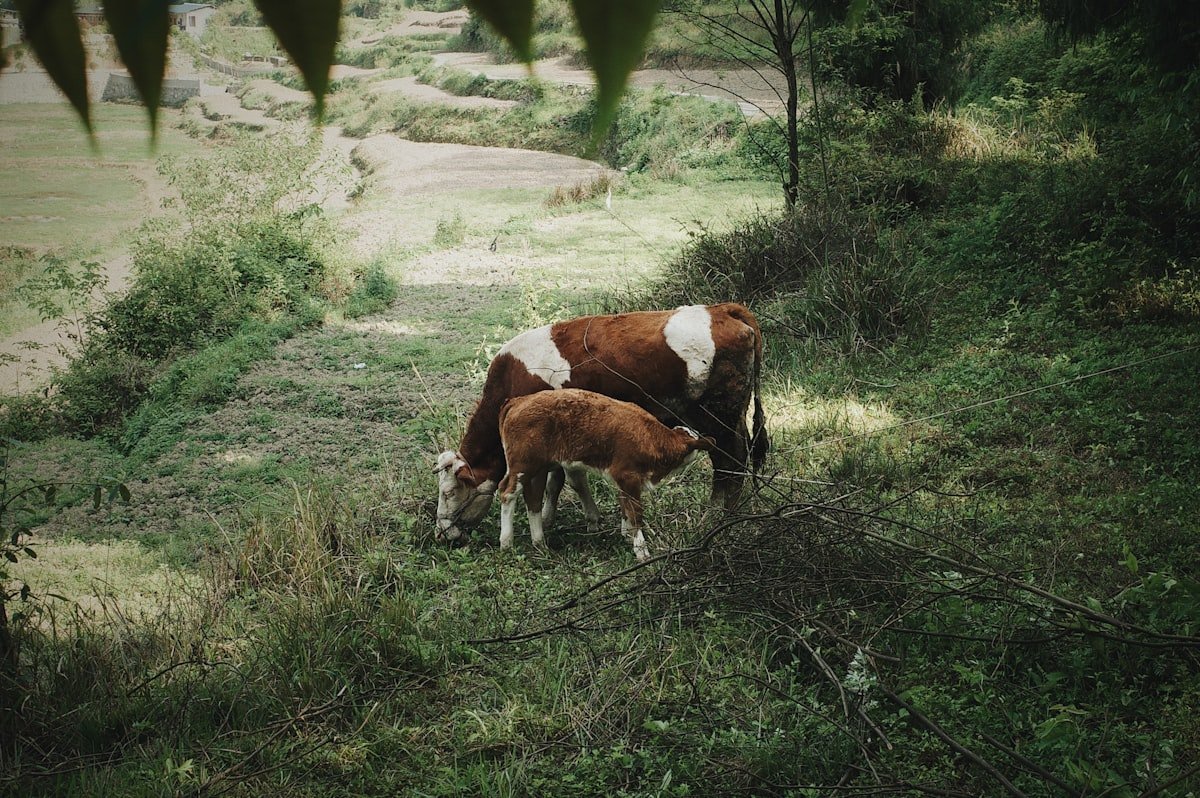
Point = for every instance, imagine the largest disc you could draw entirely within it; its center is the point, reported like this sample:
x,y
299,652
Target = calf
x,y
583,430
694,365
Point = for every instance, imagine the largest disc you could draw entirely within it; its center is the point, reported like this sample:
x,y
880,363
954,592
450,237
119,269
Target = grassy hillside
x,y
969,567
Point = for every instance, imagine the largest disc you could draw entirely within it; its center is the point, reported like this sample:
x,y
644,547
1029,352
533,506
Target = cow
x,y
696,366
584,431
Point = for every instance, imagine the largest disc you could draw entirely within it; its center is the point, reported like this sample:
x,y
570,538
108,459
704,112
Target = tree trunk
x,y
787,60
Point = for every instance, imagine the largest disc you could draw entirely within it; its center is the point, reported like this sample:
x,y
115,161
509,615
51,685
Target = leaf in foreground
x,y
140,29
512,19
615,33
53,33
308,31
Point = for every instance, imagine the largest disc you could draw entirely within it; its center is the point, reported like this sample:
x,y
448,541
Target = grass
x,y
323,645
61,190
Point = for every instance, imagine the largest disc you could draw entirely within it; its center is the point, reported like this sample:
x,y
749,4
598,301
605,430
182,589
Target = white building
x,y
191,17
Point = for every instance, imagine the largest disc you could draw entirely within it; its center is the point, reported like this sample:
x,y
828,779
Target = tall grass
x,y
821,273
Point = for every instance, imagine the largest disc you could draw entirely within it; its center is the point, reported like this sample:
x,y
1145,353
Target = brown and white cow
x,y
696,366
583,431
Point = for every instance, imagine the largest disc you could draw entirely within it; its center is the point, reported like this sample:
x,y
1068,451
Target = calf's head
x,y
463,500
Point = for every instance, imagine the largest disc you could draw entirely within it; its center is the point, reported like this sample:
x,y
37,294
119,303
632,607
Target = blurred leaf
x,y
97,493
53,33
615,33
30,553
140,28
10,556
856,12
51,492
124,491
308,31
512,19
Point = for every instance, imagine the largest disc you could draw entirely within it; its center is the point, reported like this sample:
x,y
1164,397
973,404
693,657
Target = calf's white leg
x,y
508,506
634,535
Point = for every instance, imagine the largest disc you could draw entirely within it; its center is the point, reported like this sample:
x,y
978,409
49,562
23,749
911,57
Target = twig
x,y
941,734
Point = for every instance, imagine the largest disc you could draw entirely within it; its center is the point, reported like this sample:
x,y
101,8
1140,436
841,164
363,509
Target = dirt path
x,y
395,167
753,93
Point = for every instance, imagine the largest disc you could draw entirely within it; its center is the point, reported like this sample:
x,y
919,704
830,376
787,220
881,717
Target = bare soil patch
x,y
421,92
417,22
750,91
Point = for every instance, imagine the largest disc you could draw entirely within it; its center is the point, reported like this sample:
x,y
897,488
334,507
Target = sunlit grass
x,y
117,576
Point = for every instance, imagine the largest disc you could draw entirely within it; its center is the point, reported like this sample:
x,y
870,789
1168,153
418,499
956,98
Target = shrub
x,y
373,291
834,274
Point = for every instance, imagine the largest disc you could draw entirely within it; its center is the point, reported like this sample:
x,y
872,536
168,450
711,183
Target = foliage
x,y
373,291
835,276
247,248
615,40
903,49
18,498
1164,33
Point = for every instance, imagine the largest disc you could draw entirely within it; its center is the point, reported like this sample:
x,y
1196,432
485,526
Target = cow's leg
x,y
510,486
554,485
630,497
579,483
535,489
729,464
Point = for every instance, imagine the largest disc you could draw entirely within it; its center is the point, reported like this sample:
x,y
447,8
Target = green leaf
x,y
11,557
512,19
856,12
124,491
53,33
308,31
140,28
30,553
97,493
615,33
50,492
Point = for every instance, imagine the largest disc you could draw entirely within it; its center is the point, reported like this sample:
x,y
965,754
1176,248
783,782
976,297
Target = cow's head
x,y
463,500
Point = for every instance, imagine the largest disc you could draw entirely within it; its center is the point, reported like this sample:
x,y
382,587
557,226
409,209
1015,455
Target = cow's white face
x,y
462,503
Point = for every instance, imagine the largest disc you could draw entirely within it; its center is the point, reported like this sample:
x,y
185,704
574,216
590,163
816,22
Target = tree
x,y
1167,31
764,36
901,48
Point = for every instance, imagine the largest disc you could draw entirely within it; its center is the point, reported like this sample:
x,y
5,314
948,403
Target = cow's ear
x,y
467,476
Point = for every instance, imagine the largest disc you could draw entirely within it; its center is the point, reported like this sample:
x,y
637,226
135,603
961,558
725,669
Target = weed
x,y
601,185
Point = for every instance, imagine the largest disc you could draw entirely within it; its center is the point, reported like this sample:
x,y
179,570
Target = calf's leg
x,y
510,486
630,497
535,489
578,479
554,485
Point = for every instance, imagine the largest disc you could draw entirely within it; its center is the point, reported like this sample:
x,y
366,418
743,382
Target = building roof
x,y
183,8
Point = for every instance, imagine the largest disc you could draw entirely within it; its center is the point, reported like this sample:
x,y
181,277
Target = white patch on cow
x,y
536,351
689,334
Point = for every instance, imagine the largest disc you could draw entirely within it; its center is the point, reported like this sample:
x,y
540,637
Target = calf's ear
x,y
467,476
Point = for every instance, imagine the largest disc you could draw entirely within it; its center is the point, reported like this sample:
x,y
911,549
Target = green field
x,y
968,568
64,196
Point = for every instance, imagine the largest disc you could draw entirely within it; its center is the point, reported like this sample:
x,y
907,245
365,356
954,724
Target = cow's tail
x,y
760,444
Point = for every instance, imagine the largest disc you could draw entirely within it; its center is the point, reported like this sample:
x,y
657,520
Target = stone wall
x,y
175,91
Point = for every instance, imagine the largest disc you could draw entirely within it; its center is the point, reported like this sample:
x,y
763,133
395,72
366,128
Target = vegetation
x,y
970,567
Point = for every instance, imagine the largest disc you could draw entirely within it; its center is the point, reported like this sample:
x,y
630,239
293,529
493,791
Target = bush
x,y
373,291
837,275
238,258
